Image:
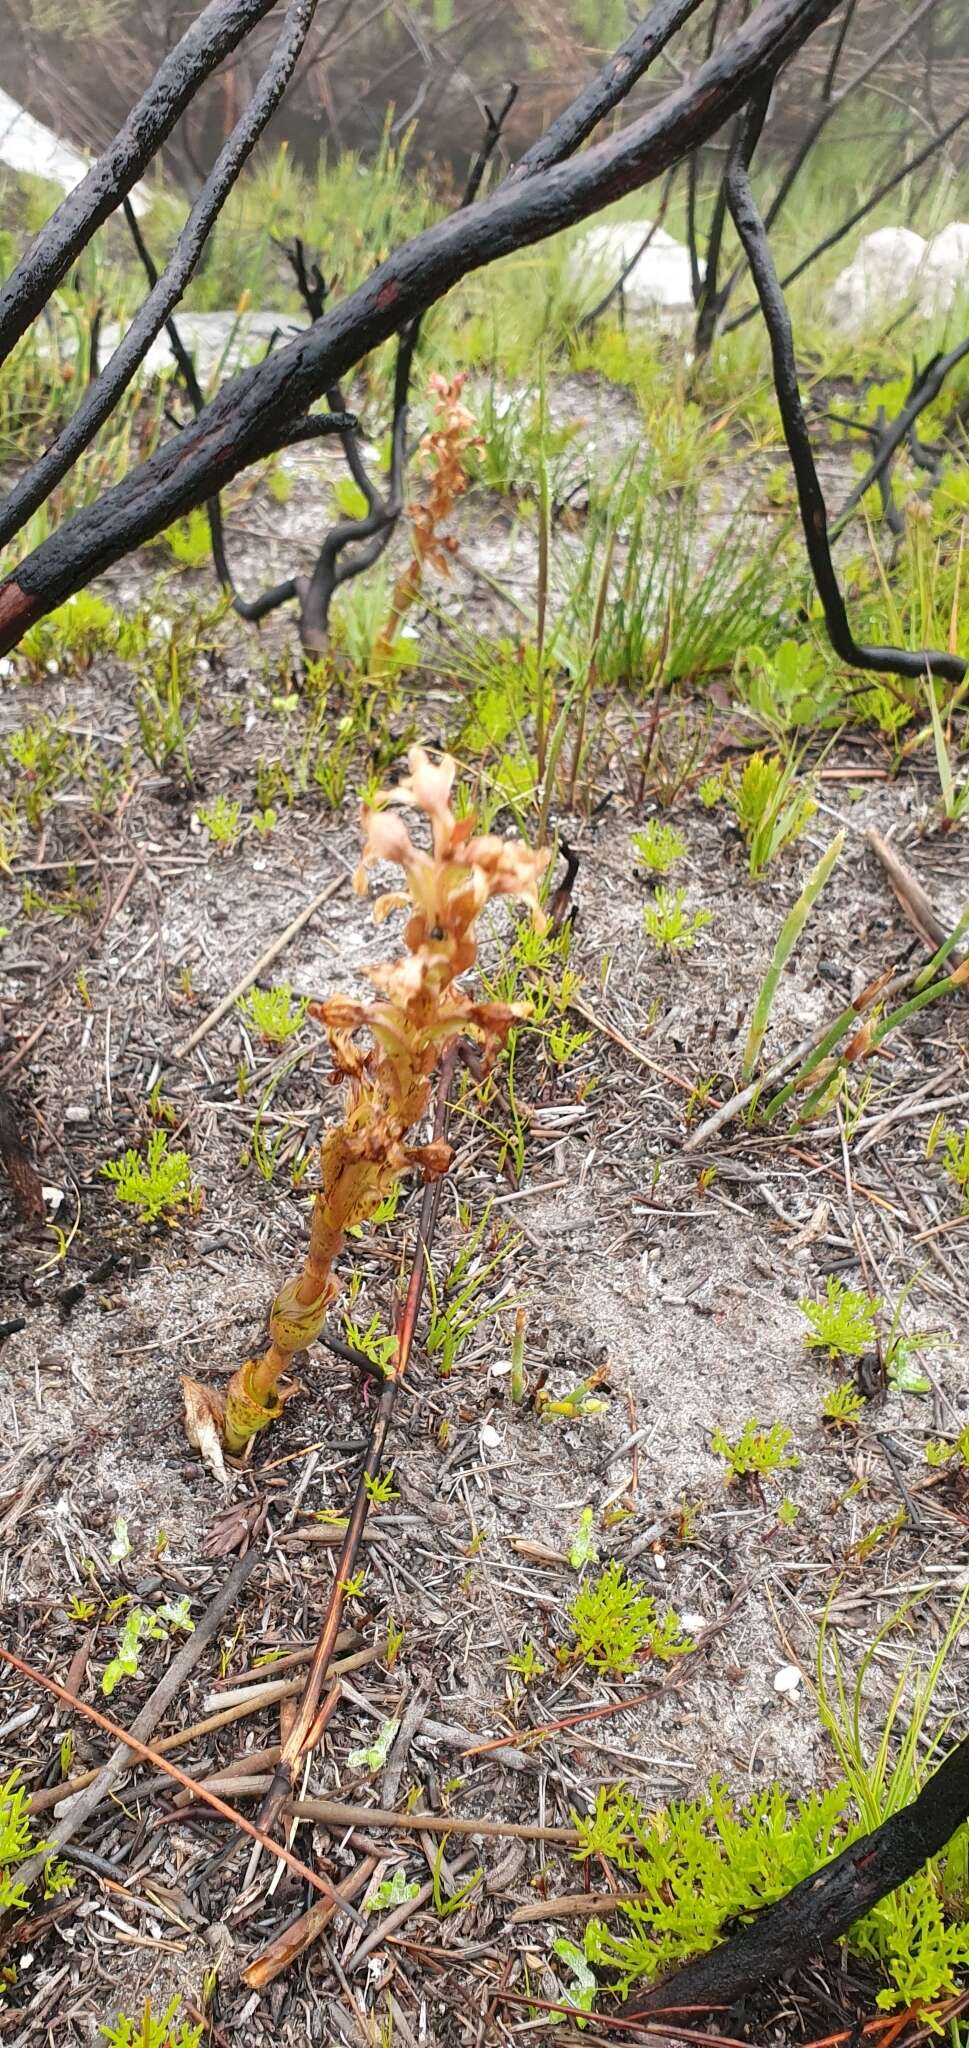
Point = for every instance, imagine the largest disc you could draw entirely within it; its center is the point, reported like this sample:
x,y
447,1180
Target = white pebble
x,y
787,1680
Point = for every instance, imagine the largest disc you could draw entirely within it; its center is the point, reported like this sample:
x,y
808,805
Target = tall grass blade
x,y
789,935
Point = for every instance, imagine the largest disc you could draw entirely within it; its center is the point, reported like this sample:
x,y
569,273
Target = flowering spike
x,y
418,1011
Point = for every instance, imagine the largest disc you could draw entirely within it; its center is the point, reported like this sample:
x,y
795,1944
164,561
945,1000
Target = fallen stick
x,y
336,1813
58,1795
167,1689
915,901
824,1905
128,1741
272,952
283,1950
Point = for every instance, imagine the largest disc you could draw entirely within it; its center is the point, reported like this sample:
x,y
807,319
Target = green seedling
x,y
581,1994
843,1405
147,2032
938,1451
668,924
579,1401
843,1324
166,717
954,800
375,1756
615,1624
143,1625
771,807
71,636
445,1907
221,821
393,1891
457,1307
583,1548
273,1013
658,847
526,1662
380,1488
956,1163
375,1343
516,1383
17,1843
189,541
756,1451
395,1641
159,1186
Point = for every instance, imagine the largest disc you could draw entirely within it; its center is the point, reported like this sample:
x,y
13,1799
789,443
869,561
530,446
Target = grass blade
x,y
788,937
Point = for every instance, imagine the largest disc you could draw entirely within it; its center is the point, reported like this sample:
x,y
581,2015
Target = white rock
x,y
215,341
882,273
28,147
945,269
658,283
787,1680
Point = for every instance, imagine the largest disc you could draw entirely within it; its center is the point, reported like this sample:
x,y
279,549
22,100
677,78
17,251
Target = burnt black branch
x,y
219,28
899,661
822,1907
103,394
925,387
254,415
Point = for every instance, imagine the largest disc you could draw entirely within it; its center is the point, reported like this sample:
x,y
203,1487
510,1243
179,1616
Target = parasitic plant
x,y
445,452
419,1010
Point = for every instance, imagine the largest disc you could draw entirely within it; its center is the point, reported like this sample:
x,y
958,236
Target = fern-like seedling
x,y
756,1450
956,1163
669,924
17,1843
148,2032
616,1624
658,847
159,1185
842,1407
843,1324
273,1013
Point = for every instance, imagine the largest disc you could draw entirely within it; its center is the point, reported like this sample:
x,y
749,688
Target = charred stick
x,y
822,1906
925,388
251,416
831,101
606,91
215,32
898,661
875,198
615,289
370,535
103,394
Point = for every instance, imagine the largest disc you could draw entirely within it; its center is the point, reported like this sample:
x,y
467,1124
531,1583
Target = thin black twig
x,y
253,414
354,545
925,387
616,288
859,214
103,393
897,661
215,32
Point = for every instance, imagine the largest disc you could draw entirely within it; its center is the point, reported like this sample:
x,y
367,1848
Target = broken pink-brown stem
x,y
308,1721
